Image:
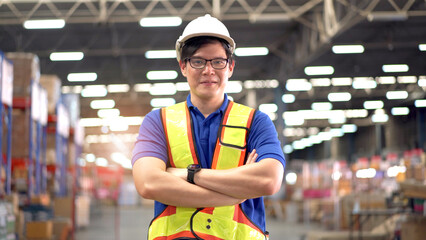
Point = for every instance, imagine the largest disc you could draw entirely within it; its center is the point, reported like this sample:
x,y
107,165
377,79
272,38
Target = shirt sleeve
x,y
264,138
150,141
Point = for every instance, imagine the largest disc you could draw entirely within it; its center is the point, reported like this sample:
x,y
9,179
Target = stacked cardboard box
x,y
26,67
52,84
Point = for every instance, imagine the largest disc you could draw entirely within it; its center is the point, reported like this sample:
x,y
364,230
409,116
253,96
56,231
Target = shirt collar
x,y
222,108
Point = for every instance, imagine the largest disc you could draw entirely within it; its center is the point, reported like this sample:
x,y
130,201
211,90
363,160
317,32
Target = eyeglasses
x,y
199,63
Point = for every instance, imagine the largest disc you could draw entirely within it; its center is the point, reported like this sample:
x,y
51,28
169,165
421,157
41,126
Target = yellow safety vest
x,y
228,222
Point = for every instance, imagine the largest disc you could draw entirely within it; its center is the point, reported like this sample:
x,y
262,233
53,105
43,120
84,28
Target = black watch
x,y
192,169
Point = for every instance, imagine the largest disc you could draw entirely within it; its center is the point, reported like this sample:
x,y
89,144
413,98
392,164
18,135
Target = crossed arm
x,y
213,187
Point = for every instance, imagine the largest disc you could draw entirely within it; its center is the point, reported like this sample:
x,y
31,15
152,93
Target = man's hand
x,y
251,157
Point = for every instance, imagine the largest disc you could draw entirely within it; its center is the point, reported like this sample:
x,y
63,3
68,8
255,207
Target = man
x,y
208,161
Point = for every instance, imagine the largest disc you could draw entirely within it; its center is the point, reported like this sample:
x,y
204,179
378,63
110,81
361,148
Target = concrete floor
x,y
131,223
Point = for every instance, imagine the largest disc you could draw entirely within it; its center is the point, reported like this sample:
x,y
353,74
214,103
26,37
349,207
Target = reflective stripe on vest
x,y
228,222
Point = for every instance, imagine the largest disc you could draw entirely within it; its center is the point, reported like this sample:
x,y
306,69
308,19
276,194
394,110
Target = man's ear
x,y
182,65
231,69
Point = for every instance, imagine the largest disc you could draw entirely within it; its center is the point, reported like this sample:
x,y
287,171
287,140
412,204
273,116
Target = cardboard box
x,y
414,229
62,207
61,227
26,67
42,199
39,229
53,85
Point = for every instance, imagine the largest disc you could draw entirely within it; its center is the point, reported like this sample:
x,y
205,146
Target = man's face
x,y
207,83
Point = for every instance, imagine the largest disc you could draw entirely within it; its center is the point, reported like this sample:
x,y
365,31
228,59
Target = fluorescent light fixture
x,y
250,84
387,16
407,79
94,91
422,47
342,81
234,87
288,149
319,70
102,104
321,106
356,113
386,80
294,121
379,116
325,136
364,83
315,139
268,107
373,104
349,128
142,87
118,88
82,77
162,75
162,102
347,49
160,22
66,56
395,170
291,178
91,122
44,24
288,98
160,54
397,95
395,68
336,132
108,113
422,81
366,173
251,51
420,103
337,118
339,97
299,84
273,116
298,145
117,124
182,86
163,89
396,111
320,82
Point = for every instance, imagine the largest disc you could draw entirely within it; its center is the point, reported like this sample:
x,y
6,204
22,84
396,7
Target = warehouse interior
x,y
343,81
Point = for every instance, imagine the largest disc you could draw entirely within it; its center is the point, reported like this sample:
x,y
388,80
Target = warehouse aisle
x,y
130,223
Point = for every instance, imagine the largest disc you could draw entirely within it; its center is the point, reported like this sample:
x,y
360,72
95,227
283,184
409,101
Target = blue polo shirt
x,y
151,142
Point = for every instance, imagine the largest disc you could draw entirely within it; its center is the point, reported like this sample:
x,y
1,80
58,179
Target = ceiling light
x,y
386,80
162,102
288,149
321,106
420,103
422,81
320,82
101,104
163,89
349,128
400,111
298,85
72,89
336,132
315,139
108,113
343,81
268,107
379,118
364,83
407,79
66,56
118,88
117,124
288,98
337,118
234,87
142,87
347,49
395,68
101,162
397,95
162,75
182,86
94,91
319,70
373,104
294,121
160,22
339,97
422,47
91,122
356,113
44,24
82,77
387,16
325,136
160,54
251,51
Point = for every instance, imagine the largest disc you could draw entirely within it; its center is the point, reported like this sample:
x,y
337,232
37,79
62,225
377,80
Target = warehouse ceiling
x,y
298,33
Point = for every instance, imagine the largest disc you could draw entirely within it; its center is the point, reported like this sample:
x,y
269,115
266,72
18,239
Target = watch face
x,y
194,166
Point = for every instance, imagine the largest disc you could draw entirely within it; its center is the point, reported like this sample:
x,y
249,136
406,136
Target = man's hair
x,y
193,44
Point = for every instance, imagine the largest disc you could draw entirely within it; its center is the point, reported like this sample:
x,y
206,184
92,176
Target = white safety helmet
x,y
204,26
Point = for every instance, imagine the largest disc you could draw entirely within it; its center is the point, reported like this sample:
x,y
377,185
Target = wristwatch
x,y
192,170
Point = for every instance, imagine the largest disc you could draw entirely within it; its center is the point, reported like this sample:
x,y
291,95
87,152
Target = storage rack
x,y
6,92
